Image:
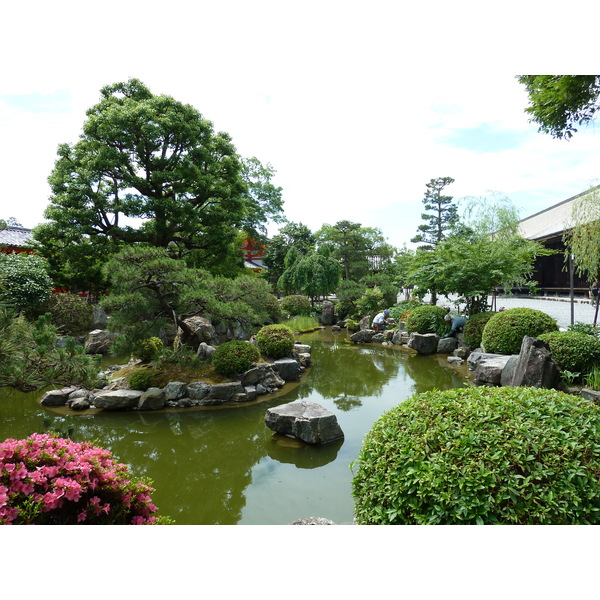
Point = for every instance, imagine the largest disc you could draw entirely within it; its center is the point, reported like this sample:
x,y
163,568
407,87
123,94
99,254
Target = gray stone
x,y
335,328
120,383
400,337
591,395
265,374
152,399
509,370
488,371
378,338
328,313
365,322
304,359
98,342
364,336
307,421
251,392
117,399
56,397
462,352
476,357
447,345
80,404
223,392
205,351
288,369
81,393
455,360
302,348
99,318
313,521
202,331
425,343
535,366
185,403
198,390
174,390
261,389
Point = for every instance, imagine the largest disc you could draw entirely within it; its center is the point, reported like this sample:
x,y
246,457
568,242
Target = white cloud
x,y
354,105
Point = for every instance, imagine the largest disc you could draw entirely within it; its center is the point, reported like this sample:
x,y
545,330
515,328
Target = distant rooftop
x,y
15,237
552,221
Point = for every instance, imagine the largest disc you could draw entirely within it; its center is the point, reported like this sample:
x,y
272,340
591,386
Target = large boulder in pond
x,y
57,397
307,421
117,399
447,345
535,366
364,336
328,313
288,369
152,399
98,342
424,343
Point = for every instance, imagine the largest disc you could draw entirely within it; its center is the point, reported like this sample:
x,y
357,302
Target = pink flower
x,y
3,495
82,516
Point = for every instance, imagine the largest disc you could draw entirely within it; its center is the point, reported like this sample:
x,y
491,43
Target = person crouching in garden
x,y
457,324
379,320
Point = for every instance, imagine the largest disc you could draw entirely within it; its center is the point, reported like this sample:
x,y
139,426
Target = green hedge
x,y
296,305
504,332
427,319
482,456
573,351
275,341
473,330
235,357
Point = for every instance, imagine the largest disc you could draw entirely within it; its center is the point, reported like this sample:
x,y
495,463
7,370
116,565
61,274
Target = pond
x,y
224,466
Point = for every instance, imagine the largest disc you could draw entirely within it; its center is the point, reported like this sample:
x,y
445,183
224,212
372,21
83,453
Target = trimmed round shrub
x,y
296,305
427,319
273,308
232,358
573,351
142,379
71,314
147,349
504,332
482,455
474,326
47,480
275,341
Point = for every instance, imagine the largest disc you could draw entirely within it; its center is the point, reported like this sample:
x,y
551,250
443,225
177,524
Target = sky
x,y
356,107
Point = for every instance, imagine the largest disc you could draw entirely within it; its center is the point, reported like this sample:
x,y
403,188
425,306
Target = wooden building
x,y
15,239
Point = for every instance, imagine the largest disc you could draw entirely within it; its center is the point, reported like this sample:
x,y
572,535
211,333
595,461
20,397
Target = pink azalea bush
x,y
47,480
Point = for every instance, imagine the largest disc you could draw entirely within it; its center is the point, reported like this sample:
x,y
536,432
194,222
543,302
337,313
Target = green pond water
x,y
215,466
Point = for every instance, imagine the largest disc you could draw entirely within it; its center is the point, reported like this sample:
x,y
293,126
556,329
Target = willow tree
x,y
582,237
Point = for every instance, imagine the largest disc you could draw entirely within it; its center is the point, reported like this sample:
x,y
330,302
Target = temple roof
x,y
15,236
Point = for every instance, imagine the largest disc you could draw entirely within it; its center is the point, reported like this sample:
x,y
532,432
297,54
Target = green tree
x,y
149,169
559,102
442,214
10,222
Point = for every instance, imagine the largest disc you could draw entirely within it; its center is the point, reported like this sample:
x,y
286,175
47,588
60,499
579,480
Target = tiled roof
x,y
15,236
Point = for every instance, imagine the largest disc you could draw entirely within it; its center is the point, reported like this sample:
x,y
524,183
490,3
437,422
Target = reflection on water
x,y
225,466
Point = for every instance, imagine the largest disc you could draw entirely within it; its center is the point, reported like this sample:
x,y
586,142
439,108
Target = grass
x,y
302,324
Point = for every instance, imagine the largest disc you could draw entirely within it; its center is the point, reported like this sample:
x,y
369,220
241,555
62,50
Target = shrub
x,y
141,379
302,324
296,305
398,311
474,326
147,349
426,319
232,358
573,350
46,480
482,456
504,332
587,328
275,341
273,308
71,314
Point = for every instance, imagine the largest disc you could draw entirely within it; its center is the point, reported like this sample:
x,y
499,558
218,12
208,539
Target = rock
x,y
462,352
288,369
426,343
251,392
120,383
313,521
535,366
378,338
302,348
223,392
476,357
174,390
79,404
152,399
98,342
185,403
265,375
117,399
455,360
591,395
99,318
304,359
489,370
509,370
335,328
205,351
400,337
364,336
365,322
198,390
447,345
307,421
202,331
328,313
56,397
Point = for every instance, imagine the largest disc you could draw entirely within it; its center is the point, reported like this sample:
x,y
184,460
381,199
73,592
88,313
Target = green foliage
x,y
504,332
296,304
235,357
558,102
147,349
573,350
592,379
141,379
30,360
427,319
442,215
473,330
314,274
397,311
180,356
482,455
25,284
275,341
302,323
348,294
586,328
71,314
273,308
